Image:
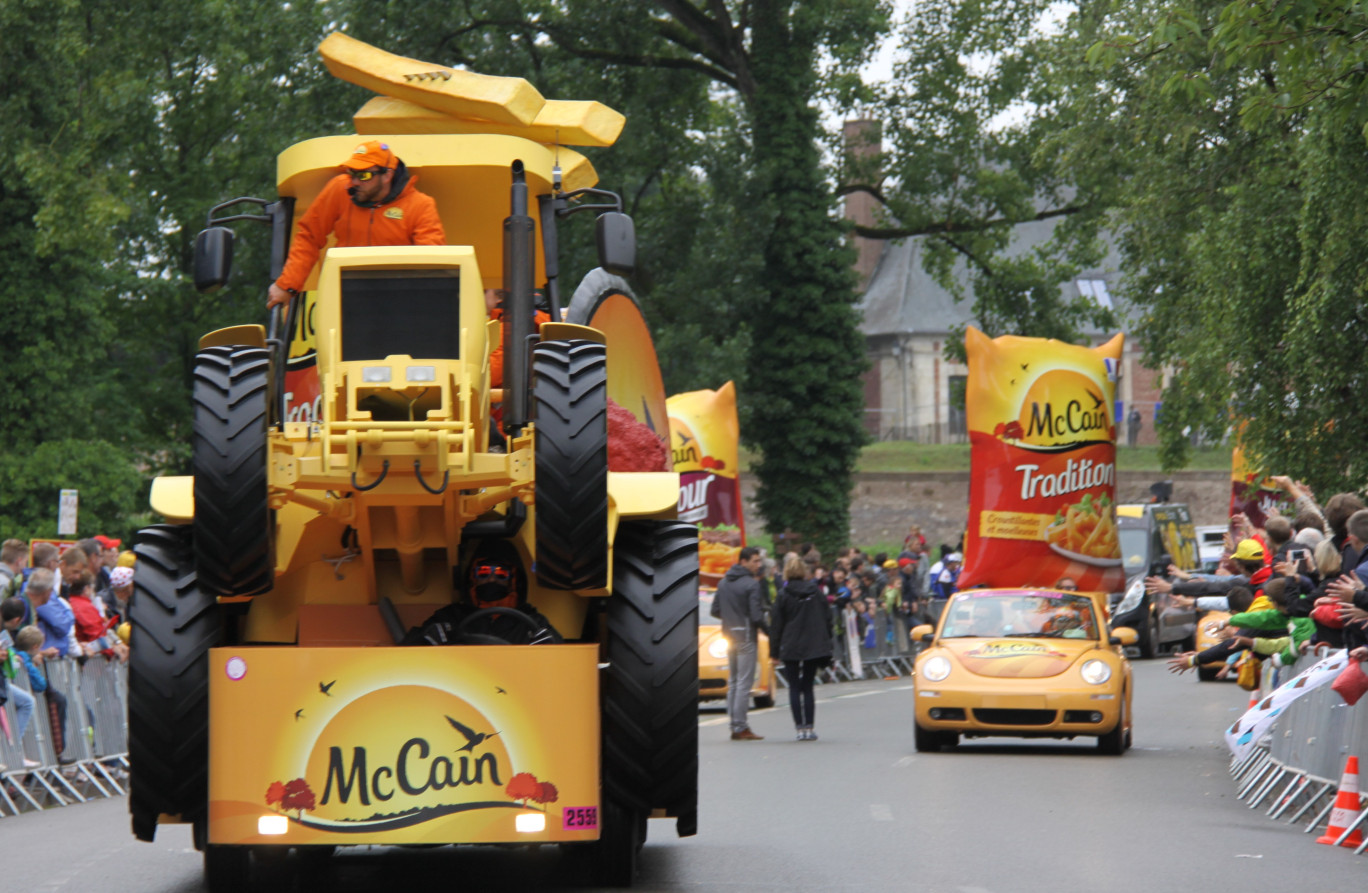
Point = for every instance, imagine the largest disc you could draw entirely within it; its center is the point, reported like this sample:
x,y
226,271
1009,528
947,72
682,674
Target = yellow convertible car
x,y
712,659
1026,663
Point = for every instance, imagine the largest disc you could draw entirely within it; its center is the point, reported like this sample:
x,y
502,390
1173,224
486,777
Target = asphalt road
x,y
857,810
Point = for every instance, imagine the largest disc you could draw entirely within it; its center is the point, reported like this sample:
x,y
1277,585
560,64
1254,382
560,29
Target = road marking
x,y
904,762
900,688
858,694
881,812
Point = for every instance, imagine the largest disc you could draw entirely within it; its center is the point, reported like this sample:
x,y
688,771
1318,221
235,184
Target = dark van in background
x,y
1153,536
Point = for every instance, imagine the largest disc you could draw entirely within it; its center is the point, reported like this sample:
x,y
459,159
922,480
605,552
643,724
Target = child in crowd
x,y
92,629
28,645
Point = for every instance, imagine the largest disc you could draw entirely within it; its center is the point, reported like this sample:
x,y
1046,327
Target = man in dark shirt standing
x,y
740,604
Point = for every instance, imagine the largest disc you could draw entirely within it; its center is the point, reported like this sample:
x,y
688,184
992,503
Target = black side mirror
x,y
213,259
928,638
615,234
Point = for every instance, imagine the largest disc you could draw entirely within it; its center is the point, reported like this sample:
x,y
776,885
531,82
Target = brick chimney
x,y
864,141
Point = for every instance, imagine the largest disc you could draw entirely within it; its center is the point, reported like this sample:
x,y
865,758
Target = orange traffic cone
x,y
1346,809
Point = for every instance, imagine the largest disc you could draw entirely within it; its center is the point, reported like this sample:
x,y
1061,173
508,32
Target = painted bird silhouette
x,y
326,687
472,737
500,690
299,714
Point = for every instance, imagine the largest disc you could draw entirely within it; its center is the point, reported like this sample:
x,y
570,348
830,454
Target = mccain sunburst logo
x,y
1062,407
442,757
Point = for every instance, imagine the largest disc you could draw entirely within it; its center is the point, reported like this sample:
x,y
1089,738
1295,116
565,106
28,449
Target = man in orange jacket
x,y
373,202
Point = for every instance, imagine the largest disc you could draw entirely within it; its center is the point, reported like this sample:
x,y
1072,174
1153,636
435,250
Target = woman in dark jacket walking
x,y
800,635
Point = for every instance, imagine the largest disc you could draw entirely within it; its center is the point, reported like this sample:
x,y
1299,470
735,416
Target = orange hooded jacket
x,y
411,219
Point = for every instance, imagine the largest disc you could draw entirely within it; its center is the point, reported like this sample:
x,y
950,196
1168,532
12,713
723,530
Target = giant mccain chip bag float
x,y
1043,455
703,440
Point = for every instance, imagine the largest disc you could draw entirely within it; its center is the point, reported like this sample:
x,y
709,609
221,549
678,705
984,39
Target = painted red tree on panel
x,y
291,796
525,787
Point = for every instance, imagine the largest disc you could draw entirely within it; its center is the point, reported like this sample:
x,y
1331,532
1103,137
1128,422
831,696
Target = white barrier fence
x,y
74,746
1295,766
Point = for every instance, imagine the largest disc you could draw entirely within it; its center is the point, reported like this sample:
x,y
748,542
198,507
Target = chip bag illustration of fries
x,y
1042,430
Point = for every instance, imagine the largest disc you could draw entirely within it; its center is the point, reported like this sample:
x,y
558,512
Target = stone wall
x,y
884,505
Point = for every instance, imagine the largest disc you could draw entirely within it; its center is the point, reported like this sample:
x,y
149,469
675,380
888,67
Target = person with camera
x,y
1248,559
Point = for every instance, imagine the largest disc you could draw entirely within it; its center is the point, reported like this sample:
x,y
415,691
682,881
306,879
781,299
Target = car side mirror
x,y
213,259
922,633
615,235
1123,635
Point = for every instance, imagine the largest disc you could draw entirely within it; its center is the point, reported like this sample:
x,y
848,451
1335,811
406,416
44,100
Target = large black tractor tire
x,y
650,691
570,396
232,514
174,624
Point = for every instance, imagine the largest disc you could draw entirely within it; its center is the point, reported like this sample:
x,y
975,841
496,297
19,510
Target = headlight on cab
x,y
718,647
1095,672
935,669
1134,593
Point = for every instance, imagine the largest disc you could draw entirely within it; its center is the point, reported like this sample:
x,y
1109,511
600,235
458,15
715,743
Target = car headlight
x,y
1134,593
1095,672
718,647
935,669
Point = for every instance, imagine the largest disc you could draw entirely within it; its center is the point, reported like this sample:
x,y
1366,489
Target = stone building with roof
x,y
912,392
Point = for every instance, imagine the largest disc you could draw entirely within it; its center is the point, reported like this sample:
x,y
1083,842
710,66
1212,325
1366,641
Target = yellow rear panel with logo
x,y
403,745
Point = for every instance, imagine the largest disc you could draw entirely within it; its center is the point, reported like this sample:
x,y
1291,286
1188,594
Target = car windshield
x,y
1035,615
1134,549
705,617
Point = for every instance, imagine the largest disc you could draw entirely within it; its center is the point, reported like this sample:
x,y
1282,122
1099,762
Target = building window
x,y
1097,290
958,420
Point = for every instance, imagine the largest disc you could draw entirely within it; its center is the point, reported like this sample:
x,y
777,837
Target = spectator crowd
x,y
57,605
1293,585
883,592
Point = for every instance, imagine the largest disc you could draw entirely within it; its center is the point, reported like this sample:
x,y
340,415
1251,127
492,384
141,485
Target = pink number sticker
x,y
579,818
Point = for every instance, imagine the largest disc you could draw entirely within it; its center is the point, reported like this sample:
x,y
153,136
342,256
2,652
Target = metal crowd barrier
x,y
75,745
1299,762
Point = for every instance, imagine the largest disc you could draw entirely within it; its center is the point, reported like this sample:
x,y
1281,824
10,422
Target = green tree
x,y
124,123
1234,136
969,115
108,485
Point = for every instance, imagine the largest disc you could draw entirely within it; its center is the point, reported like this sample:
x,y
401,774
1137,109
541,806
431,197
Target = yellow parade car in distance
x,y
1026,663
712,659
